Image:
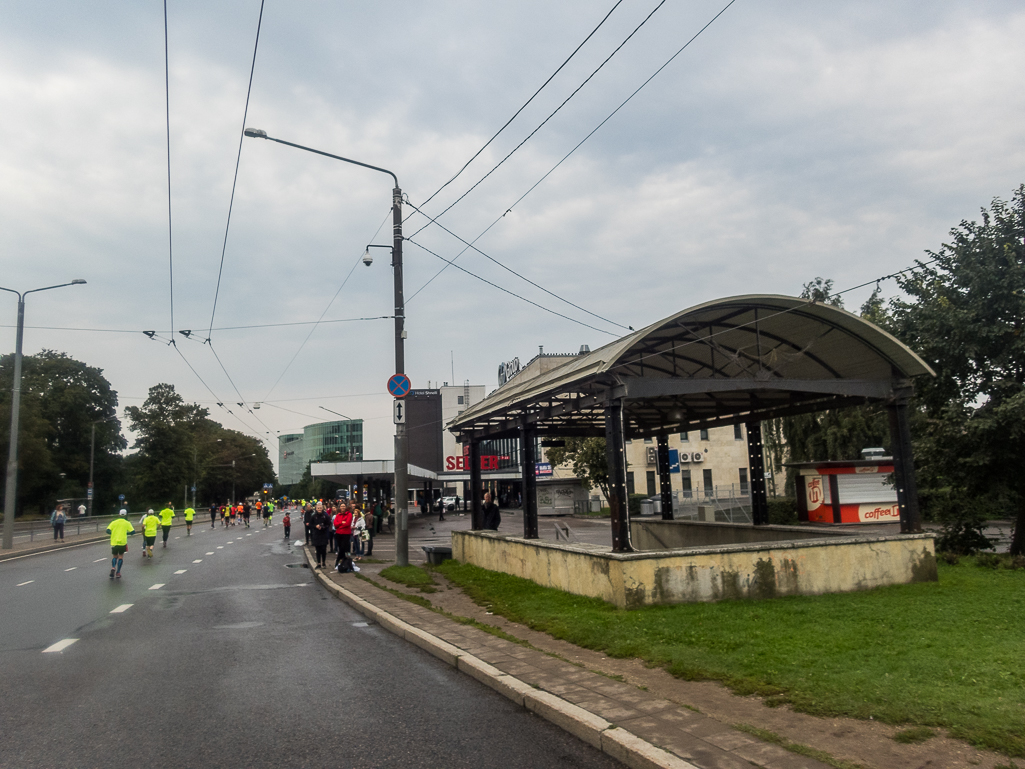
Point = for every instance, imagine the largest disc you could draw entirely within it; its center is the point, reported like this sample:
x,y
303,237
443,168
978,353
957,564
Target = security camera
x,y
367,258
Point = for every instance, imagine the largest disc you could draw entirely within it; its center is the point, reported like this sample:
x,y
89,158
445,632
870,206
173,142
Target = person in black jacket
x,y
307,515
320,529
490,517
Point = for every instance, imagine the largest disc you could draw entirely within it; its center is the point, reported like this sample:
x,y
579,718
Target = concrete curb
x,y
595,731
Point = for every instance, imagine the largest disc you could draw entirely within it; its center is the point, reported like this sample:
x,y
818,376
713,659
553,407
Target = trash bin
x,y
437,553
647,507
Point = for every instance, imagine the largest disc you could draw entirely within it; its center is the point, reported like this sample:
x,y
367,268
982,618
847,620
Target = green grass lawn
x,y
410,576
949,654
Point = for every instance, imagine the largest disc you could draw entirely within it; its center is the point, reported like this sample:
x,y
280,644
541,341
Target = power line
x,y
518,275
525,104
167,104
543,122
511,293
221,328
317,323
243,404
238,160
579,144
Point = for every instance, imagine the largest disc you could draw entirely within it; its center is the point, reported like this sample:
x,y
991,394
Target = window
x,y
459,402
647,440
744,488
629,483
738,432
704,435
683,437
651,483
706,477
685,484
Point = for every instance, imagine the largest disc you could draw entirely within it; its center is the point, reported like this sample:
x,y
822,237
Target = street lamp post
x,y
11,492
401,439
92,455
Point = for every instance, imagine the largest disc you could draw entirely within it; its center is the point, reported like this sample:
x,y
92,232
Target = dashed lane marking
x,y
219,547
60,645
198,560
181,571
99,559
157,586
22,584
209,553
71,569
122,608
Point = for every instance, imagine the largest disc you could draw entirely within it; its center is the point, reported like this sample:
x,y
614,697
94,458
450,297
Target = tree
x,y
966,317
589,459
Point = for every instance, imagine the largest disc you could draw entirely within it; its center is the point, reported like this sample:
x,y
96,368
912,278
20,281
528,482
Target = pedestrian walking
x,y
166,516
189,515
120,529
150,524
213,516
319,525
491,518
57,519
287,523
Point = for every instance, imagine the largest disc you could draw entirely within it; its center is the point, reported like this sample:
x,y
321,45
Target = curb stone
x,y
595,731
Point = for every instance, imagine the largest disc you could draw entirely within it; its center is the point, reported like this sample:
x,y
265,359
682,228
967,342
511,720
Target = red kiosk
x,y
852,491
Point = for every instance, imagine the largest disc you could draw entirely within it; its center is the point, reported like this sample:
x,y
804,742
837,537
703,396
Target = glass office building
x,y
290,458
344,437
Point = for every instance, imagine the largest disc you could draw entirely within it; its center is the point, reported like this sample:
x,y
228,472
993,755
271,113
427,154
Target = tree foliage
x,y
589,460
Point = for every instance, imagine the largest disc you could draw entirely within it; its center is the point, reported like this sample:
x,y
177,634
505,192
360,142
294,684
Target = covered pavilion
x,y
742,359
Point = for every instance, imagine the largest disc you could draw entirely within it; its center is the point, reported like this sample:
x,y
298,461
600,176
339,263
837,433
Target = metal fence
x,y
32,530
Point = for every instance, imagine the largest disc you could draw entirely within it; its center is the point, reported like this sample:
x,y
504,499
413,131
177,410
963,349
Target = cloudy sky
x,y
790,140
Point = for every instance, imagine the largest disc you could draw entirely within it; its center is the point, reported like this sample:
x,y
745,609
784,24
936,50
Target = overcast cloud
x,y
790,140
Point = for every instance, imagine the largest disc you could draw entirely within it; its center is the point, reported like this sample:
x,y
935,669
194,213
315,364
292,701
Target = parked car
x,y
447,504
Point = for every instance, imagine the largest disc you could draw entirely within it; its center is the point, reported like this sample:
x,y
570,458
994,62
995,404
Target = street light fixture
x,y
401,485
11,492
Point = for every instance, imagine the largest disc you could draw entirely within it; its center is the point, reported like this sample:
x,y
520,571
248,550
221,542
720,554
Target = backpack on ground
x,y
345,566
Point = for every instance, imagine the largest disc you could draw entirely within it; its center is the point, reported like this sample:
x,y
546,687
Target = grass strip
x,y
795,747
914,735
410,576
945,654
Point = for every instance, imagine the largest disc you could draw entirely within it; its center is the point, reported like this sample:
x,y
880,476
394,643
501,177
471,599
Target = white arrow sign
x,y
399,411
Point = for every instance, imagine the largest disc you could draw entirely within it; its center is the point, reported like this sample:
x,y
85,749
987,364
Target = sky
x,y
789,140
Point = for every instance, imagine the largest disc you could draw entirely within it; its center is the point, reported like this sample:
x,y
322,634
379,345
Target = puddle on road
x,y
297,566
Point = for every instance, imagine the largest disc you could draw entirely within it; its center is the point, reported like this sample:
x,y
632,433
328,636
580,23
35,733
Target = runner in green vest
x,y
119,530
165,520
150,524
189,515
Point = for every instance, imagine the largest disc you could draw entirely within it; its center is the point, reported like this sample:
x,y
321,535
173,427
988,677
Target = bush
x,y
634,503
963,518
783,511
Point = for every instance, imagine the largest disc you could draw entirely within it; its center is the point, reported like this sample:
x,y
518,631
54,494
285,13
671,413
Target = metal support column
x,y
529,466
615,446
756,469
904,467
665,479
476,497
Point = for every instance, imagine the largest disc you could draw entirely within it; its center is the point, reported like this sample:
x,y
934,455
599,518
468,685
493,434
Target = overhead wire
x,y
525,104
545,121
577,146
238,160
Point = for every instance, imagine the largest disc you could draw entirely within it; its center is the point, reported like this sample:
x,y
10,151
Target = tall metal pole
x,y
11,492
92,456
401,439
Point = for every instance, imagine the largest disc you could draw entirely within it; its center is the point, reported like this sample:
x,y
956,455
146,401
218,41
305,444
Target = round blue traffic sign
x,y
399,385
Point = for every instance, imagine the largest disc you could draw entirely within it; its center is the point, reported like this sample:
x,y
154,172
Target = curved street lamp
x,y
401,485
11,492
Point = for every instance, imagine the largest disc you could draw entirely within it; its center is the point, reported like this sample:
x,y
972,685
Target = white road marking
x,y
157,586
219,547
122,608
361,624
181,571
249,535
209,553
60,645
198,560
73,568
20,584
99,559
177,537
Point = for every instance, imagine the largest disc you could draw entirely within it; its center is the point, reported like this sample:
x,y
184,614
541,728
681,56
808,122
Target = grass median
x,y
949,654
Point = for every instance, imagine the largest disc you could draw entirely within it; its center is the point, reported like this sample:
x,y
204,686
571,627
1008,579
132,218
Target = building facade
x,y
290,458
295,451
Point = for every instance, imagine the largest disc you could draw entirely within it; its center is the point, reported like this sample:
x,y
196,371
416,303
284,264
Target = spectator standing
x,y
319,529
307,515
343,533
57,519
491,518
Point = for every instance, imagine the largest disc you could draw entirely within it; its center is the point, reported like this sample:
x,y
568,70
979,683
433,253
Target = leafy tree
x,y
966,316
61,400
589,459
309,487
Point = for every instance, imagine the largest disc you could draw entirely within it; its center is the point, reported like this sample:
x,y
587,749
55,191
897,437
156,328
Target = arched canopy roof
x,y
740,359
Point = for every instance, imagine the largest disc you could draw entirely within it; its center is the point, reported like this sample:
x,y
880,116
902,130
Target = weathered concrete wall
x,y
631,580
656,534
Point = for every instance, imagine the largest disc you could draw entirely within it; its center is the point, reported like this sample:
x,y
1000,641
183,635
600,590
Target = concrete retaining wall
x,y
631,580
649,534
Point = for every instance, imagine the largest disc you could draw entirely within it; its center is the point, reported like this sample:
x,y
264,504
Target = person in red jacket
x,y
343,533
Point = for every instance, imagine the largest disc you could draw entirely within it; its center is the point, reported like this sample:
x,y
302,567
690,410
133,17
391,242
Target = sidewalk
x,y
637,727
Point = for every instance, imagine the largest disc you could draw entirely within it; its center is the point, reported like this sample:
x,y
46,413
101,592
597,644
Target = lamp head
x,y
367,258
255,133
78,282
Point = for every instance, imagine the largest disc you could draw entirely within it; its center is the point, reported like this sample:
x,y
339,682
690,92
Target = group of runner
x,y
231,513
120,529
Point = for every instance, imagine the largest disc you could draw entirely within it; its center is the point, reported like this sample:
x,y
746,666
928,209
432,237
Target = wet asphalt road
x,y
237,661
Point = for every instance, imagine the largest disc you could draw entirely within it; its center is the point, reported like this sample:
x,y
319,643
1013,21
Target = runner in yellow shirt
x,y
165,520
189,515
150,523
119,530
